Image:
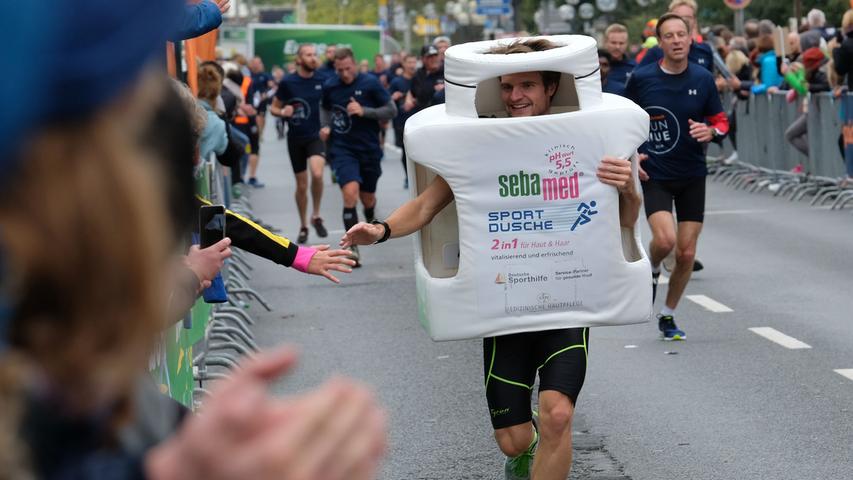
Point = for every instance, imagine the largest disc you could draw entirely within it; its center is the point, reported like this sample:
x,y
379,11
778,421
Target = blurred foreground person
x,y
85,252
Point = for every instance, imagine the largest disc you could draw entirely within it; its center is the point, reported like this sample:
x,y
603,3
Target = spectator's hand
x,y
362,234
325,261
791,96
248,110
832,44
287,111
409,104
223,5
324,134
617,172
838,91
642,157
396,95
334,432
772,89
796,67
721,83
354,108
700,131
734,82
206,263
439,86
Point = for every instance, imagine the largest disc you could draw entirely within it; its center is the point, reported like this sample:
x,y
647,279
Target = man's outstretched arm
x,y
409,218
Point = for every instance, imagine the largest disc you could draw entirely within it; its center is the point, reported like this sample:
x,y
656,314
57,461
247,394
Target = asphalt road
x,y
726,404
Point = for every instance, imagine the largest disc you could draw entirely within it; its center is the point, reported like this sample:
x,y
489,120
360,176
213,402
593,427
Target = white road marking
x,y
733,212
709,303
778,337
846,372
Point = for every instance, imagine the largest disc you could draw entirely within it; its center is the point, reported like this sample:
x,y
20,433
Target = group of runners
x,y
337,117
337,113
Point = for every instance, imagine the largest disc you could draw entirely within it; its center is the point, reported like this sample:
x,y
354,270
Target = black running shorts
x,y
251,131
687,194
301,149
511,362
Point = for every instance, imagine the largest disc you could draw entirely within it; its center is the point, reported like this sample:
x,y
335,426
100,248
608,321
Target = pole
x,y
739,22
798,11
407,33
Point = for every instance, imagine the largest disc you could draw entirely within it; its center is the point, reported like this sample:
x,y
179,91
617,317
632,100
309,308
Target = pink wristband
x,y
303,258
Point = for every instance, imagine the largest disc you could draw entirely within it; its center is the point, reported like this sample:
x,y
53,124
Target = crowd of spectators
x,y
764,59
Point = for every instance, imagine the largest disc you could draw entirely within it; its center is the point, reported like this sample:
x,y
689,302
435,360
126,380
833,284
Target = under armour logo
x,y
701,61
692,91
357,93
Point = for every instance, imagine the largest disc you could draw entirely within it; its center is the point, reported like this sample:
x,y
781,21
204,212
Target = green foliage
x,y
355,12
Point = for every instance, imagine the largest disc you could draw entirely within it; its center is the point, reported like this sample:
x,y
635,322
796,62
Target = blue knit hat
x,y
73,57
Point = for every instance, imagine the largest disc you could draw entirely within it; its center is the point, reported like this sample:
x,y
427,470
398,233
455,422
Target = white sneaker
x,y
730,159
774,187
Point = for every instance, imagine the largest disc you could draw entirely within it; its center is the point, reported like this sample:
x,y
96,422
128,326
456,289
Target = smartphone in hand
x,y
211,224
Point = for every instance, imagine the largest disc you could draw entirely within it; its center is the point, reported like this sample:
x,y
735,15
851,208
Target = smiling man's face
x,y
525,95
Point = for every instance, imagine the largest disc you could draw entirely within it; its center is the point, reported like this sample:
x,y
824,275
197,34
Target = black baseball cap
x,y
428,50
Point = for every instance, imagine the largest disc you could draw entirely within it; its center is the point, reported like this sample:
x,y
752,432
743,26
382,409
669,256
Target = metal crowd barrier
x,y
227,331
766,160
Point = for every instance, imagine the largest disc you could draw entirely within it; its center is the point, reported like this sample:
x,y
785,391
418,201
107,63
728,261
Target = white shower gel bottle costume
x,y
533,240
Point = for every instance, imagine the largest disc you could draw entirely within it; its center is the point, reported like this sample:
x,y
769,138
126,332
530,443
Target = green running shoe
x,y
518,468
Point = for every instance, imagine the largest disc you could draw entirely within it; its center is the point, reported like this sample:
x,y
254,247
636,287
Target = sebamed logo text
x,y
664,130
523,184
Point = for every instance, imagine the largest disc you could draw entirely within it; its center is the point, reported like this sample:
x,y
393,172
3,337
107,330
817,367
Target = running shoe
x,y
253,182
655,279
405,184
318,226
518,468
698,266
237,189
669,331
303,235
354,255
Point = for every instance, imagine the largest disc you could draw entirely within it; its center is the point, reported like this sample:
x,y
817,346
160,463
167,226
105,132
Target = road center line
x,y
709,303
846,372
778,337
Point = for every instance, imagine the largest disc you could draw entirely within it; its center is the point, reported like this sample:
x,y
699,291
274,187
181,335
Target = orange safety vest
x,y
244,87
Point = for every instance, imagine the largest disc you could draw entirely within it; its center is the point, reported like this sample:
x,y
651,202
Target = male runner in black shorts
x,y
298,100
353,105
511,362
680,97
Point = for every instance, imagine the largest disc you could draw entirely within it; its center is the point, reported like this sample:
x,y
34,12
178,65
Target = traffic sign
x,y
426,26
606,5
737,4
586,11
494,7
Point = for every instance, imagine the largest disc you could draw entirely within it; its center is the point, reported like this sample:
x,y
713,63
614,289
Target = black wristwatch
x,y
387,233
